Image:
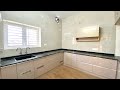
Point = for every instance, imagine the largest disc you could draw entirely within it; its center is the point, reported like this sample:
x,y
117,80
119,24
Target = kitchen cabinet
x,y
40,66
107,63
84,62
0,74
104,72
25,70
45,64
54,61
118,72
9,72
84,59
70,59
117,17
84,66
101,67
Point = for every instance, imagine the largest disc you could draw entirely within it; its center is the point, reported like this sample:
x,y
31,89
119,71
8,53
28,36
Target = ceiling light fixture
x,y
57,19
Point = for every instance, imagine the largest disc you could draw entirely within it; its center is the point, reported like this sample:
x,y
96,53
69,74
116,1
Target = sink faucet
x,y
20,50
26,50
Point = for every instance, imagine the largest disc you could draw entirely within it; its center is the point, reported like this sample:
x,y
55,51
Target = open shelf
x,y
88,39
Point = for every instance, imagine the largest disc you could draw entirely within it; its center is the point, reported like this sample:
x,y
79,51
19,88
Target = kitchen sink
x,y
22,57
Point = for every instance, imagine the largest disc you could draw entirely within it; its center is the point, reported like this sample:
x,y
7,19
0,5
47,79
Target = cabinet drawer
x,y
119,66
39,70
39,67
105,72
118,75
50,66
85,59
25,70
107,63
69,59
84,66
9,72
0,74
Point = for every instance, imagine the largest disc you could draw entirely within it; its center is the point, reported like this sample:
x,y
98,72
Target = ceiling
x,y
61,14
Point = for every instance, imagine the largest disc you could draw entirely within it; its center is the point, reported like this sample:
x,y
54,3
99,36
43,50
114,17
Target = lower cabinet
x,y
40,66
84,66
104,72
25,70
118,72
70,59
118,75
31,69
9,72
103,68
0,74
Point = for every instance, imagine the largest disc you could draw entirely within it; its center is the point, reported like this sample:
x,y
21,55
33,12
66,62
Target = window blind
x,y
14,35
32,37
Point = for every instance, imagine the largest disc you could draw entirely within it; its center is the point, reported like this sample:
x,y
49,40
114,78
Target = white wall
x,y
51,31
88,18
117,49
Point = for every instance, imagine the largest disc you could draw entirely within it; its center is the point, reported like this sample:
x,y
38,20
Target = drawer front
x,y
39,70
118,66
39,67
51,66
0,75
60,56
118,75
84,66
25,70
104,72
84,59
9,72
68,59
107,63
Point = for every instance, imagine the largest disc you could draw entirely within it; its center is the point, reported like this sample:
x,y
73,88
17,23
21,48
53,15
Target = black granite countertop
x,y
10,60
93,54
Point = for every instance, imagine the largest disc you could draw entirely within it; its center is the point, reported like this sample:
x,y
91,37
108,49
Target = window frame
x,y
24,34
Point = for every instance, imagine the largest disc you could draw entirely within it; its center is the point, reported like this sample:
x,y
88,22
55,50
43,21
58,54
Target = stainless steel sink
x,y
22,57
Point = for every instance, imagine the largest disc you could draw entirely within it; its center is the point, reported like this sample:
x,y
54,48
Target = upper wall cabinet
x,y
117,17
88,34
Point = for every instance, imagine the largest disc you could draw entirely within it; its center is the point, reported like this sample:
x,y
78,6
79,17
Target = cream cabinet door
x,y
60,56
39,67
104,72
118,72
84,66
9,72
25,70
85,59
107,63
0,74
118,75
70,59
53,59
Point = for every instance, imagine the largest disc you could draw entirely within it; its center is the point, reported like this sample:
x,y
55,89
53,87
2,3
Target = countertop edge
x,y
51,52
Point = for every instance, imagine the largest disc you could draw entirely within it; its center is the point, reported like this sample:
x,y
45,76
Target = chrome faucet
x,y
26,50
20,50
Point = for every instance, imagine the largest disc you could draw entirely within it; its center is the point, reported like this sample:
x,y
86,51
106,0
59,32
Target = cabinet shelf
x,y
88,39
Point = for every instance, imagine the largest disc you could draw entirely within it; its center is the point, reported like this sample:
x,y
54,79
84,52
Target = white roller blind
x,y
32,37
14,35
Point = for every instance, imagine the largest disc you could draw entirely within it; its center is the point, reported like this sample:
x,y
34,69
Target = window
x,y
19,35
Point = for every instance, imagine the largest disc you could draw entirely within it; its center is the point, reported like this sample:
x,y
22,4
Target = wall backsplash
x,y
105,19
51,31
